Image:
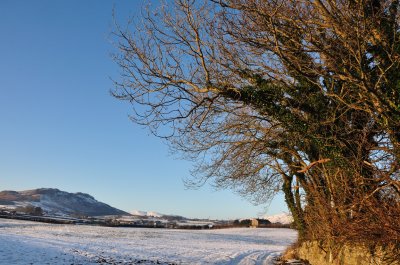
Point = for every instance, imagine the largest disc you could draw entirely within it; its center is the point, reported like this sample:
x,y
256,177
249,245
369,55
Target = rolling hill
x,y
57,202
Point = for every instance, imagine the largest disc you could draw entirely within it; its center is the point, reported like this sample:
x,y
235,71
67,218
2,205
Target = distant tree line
x,y
261,223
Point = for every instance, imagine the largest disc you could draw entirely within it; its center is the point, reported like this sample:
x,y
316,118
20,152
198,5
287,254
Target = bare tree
x,y
298,96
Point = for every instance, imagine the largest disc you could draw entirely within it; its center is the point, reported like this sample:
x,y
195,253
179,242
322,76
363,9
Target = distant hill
x,y
282,218
57,202
144,213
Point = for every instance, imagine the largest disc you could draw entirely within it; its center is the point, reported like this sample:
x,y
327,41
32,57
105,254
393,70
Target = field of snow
x,y
23,242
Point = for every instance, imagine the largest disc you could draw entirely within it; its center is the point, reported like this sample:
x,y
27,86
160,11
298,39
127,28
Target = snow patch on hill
x,y
144,213
283,218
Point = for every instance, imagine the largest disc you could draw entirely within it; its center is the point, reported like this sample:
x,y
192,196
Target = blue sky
x,y
60,127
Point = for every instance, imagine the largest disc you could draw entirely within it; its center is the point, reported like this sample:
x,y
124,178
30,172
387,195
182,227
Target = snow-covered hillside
x,y
23,242
144,213
283,218
57,202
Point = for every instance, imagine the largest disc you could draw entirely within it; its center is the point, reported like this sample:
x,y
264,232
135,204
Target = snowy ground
x,y
23,242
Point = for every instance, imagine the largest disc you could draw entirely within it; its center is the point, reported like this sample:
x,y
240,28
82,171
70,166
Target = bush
x,y
30,209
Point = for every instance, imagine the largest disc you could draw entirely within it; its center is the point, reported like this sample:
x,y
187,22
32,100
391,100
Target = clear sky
x,y
60,128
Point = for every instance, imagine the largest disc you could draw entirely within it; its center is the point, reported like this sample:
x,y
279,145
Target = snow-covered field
x,y
23,242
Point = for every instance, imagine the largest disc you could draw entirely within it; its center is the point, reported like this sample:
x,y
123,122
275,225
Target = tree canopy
x,y
295,96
